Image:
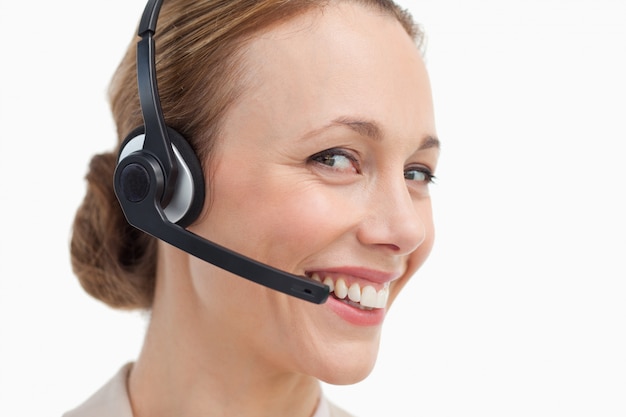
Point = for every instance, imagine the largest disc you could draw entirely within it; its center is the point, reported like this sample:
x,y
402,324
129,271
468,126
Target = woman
x,y
313,124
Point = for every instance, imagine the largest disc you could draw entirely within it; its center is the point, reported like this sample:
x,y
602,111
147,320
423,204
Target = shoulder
x,y
110,400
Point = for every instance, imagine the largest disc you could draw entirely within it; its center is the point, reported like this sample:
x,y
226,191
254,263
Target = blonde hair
x,y
199,48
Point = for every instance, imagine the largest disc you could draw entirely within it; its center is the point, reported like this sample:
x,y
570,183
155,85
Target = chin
x,y
344,375
348,365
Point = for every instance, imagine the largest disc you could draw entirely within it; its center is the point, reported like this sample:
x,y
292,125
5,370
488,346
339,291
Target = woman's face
x,y
322,169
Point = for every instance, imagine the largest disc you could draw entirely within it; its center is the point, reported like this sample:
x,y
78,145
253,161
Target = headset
x,y
159,183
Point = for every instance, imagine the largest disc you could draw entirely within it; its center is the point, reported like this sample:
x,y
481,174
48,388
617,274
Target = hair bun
x,y
114,262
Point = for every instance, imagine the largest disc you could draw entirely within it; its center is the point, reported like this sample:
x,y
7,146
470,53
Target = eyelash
x,y
429,177
325,158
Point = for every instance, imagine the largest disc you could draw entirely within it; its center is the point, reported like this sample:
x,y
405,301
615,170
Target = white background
x,y
521,309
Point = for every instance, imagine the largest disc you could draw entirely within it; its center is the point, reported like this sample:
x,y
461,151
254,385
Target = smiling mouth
x,y
364,298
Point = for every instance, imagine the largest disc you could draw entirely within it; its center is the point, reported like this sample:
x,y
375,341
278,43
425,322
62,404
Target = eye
x,y
420,174
337,160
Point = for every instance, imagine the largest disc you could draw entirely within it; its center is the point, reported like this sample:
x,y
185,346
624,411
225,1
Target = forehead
x,y
343,59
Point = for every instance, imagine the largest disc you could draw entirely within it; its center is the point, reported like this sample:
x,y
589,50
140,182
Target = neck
x,y
192,365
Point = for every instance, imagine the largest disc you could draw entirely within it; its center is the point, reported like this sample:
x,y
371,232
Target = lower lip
x,y
354,315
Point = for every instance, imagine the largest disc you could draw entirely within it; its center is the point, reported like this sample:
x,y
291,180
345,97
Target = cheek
x,y
274,219
302,224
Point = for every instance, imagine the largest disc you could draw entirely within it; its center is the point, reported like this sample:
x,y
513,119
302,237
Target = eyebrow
x,y
430,142
362,127
373,131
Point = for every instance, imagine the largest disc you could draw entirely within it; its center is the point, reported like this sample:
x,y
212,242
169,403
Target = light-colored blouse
x,y
112,401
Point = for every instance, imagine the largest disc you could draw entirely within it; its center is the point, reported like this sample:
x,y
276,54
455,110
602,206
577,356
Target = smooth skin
x,y
323,163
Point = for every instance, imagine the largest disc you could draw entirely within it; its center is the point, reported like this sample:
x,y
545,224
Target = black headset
x,y
160,185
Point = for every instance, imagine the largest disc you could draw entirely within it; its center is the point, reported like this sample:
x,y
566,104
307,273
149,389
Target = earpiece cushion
x,y
189,165
195,168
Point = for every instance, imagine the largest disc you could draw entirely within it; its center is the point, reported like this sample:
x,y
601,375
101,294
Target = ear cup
x,y
189,191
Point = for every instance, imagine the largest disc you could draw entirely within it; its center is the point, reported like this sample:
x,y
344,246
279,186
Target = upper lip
x,y
357,272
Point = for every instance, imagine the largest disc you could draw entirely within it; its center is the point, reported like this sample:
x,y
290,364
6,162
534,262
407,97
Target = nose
x,y
393,219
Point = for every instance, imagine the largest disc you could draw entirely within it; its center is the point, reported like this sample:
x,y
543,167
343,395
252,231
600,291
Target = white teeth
x,y
354,292
341,290
329,282
382,297
367,296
